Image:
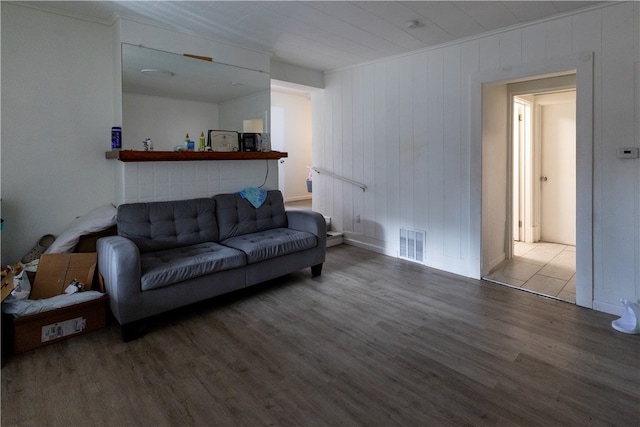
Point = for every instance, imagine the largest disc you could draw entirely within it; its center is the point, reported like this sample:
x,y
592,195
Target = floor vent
x,y
412,245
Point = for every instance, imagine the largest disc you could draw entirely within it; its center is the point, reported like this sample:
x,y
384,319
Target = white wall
x,y
403,127
61,93
165,120
296,142
57,113
232,113
494,182
297,75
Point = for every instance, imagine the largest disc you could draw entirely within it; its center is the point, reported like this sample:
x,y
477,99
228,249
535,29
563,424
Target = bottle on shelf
x,y
116,138
188,144
202,145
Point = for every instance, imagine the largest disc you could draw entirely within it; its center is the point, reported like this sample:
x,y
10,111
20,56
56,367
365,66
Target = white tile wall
x,y
157,181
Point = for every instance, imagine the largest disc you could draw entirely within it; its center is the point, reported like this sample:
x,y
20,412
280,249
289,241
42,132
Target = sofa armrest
x,y
310,221
119,264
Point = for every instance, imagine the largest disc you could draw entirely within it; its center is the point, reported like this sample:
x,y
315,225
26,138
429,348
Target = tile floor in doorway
x,y
544,268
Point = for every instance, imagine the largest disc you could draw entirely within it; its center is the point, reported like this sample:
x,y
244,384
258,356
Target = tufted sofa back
x,y
156,226
236,216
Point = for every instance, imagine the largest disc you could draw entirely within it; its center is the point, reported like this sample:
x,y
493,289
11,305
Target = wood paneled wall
x,y
402,127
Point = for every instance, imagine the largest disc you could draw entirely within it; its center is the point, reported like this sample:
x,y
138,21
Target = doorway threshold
x,y
542,268
498,282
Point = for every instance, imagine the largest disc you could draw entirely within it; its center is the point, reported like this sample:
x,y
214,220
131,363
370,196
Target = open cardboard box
x,y
55,273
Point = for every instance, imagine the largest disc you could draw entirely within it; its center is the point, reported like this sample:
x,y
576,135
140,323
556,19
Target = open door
x,y
557,113
523,221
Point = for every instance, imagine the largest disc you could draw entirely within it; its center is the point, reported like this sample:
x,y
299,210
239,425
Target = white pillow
x,y
98,219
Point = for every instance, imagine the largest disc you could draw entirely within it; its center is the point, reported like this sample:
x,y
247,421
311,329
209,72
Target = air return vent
x,y
412,244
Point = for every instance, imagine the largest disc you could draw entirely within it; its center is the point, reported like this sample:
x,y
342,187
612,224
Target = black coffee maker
x,y
250,141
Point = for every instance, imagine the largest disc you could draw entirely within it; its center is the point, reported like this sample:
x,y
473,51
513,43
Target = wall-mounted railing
x,y
341,178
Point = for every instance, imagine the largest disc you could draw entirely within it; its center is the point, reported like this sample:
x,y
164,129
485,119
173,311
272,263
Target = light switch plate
x,y
628,152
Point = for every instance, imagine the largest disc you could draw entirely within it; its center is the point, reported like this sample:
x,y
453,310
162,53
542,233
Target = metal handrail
x,y
341,178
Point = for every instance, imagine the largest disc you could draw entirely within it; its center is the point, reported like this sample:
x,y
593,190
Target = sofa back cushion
x,y
236,216
157,226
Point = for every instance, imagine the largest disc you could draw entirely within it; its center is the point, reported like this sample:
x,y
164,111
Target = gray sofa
x,y
171,254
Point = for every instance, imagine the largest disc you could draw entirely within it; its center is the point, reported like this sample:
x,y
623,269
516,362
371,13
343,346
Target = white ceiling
x,y
322,35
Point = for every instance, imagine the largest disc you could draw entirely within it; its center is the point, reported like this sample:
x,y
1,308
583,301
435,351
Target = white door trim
x,y
582,65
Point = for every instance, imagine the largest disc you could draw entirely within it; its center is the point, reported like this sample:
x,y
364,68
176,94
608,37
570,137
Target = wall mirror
x,y
166,95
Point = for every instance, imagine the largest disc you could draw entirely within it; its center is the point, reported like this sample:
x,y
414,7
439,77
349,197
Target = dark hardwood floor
x,y
373,341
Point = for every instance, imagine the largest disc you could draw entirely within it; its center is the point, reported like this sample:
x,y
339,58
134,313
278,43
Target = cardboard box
x,y
55,273
51,326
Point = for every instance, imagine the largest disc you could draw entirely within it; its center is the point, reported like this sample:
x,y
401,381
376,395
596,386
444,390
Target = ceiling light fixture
x,y
157,72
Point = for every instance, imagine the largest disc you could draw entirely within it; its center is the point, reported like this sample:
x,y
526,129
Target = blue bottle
x,y
116,138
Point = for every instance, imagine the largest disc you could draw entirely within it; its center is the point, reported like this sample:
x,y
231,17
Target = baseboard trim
x,y
617,310
368,246
452,267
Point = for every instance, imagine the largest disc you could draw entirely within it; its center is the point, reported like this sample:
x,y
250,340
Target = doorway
x,y
490,220
540,250
291,132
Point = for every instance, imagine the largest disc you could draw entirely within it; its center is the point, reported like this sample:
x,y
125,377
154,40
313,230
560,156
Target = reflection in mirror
x,y
253,125
167,95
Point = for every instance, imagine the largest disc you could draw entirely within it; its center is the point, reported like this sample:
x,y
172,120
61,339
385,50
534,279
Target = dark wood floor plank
x,y
374,340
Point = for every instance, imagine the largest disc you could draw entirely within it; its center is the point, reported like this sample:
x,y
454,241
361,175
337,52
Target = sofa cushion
x,y
237,216
268,244
170,266
157,226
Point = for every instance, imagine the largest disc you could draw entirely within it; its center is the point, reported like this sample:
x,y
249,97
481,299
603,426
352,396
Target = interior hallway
x,y
543,268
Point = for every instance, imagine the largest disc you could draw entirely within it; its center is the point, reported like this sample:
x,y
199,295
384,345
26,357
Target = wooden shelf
x,y
180,156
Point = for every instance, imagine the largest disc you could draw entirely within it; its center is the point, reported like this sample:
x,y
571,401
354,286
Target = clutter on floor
x,y
48,311
66,297
43,244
